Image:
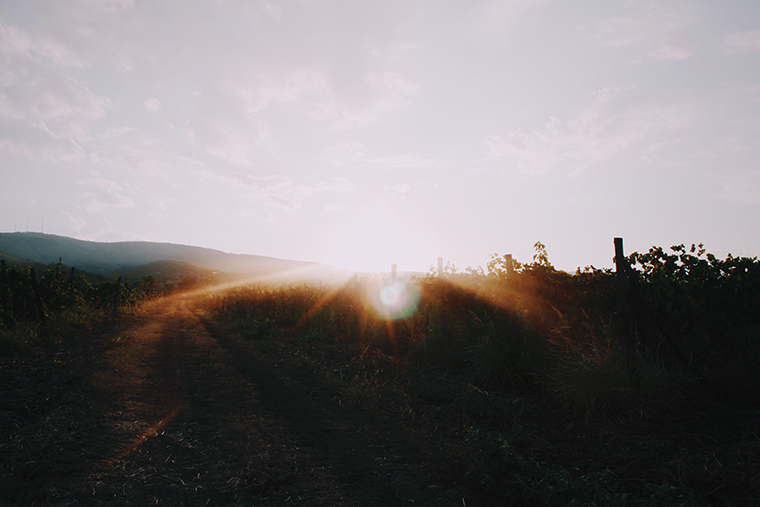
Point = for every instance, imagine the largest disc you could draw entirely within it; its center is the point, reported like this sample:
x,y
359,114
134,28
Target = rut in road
x,y
220,426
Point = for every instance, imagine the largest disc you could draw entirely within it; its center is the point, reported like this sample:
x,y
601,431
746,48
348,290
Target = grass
x,y
593,381
22,337
18,339
520,445
534,404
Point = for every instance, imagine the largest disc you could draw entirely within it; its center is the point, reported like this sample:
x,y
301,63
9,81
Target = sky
x,y
365,133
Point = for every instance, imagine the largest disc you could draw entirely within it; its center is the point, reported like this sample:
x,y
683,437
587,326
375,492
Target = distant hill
x,y
170,271
123,257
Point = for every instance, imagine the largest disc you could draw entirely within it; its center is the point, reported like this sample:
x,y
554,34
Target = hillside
x,y
170,270
110,258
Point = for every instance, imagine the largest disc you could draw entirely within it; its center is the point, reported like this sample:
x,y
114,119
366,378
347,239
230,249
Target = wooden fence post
x,y
623,330
37,297
508,262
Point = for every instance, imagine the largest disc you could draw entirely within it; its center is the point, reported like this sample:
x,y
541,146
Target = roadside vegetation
x,y
539,385
41,305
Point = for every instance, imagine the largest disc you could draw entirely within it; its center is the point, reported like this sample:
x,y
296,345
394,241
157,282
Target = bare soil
x,y
168,408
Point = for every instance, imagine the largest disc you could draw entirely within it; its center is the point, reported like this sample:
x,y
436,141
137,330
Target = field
x,y
518,385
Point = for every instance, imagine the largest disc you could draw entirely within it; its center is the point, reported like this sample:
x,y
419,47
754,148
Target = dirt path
x,y
188,415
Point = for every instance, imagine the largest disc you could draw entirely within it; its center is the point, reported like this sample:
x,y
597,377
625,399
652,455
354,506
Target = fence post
x,y
440,267
622,318
508,262
37,297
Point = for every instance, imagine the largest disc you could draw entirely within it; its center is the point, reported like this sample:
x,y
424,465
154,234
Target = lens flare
x,y
396,300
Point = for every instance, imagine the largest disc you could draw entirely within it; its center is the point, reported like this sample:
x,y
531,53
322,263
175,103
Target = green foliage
x,y
692,307
68,299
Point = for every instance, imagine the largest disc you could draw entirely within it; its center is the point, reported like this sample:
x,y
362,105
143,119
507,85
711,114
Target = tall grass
x,y
538,328
592,379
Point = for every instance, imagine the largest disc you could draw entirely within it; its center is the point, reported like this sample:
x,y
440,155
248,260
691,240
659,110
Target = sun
x,y
376,238
394,300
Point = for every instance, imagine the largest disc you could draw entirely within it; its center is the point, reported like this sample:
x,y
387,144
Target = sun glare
x,y
395,300
376,239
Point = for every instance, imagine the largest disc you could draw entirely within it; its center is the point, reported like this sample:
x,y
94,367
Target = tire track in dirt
x,y
159,460
216,425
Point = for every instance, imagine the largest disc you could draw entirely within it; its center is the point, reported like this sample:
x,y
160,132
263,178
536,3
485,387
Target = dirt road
x,y
173,410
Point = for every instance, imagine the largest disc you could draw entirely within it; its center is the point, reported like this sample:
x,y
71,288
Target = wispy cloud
x,y
37,142
352,154
406,161
613,122
18,43
346,153
136,158
132,150
40,116
38,98
105,194
153,105
400,190
742,41
247,213
279,191
492,24
271,10
77,132
652,29
224,127
742,188
259,183
333,184
369,98
77,223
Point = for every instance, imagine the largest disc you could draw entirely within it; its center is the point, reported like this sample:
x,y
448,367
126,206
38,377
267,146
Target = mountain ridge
x,y
109,258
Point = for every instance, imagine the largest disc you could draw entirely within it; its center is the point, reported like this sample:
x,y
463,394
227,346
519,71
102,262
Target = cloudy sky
x,y
365,133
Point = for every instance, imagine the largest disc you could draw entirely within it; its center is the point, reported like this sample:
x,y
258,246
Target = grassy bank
x,y
522,383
